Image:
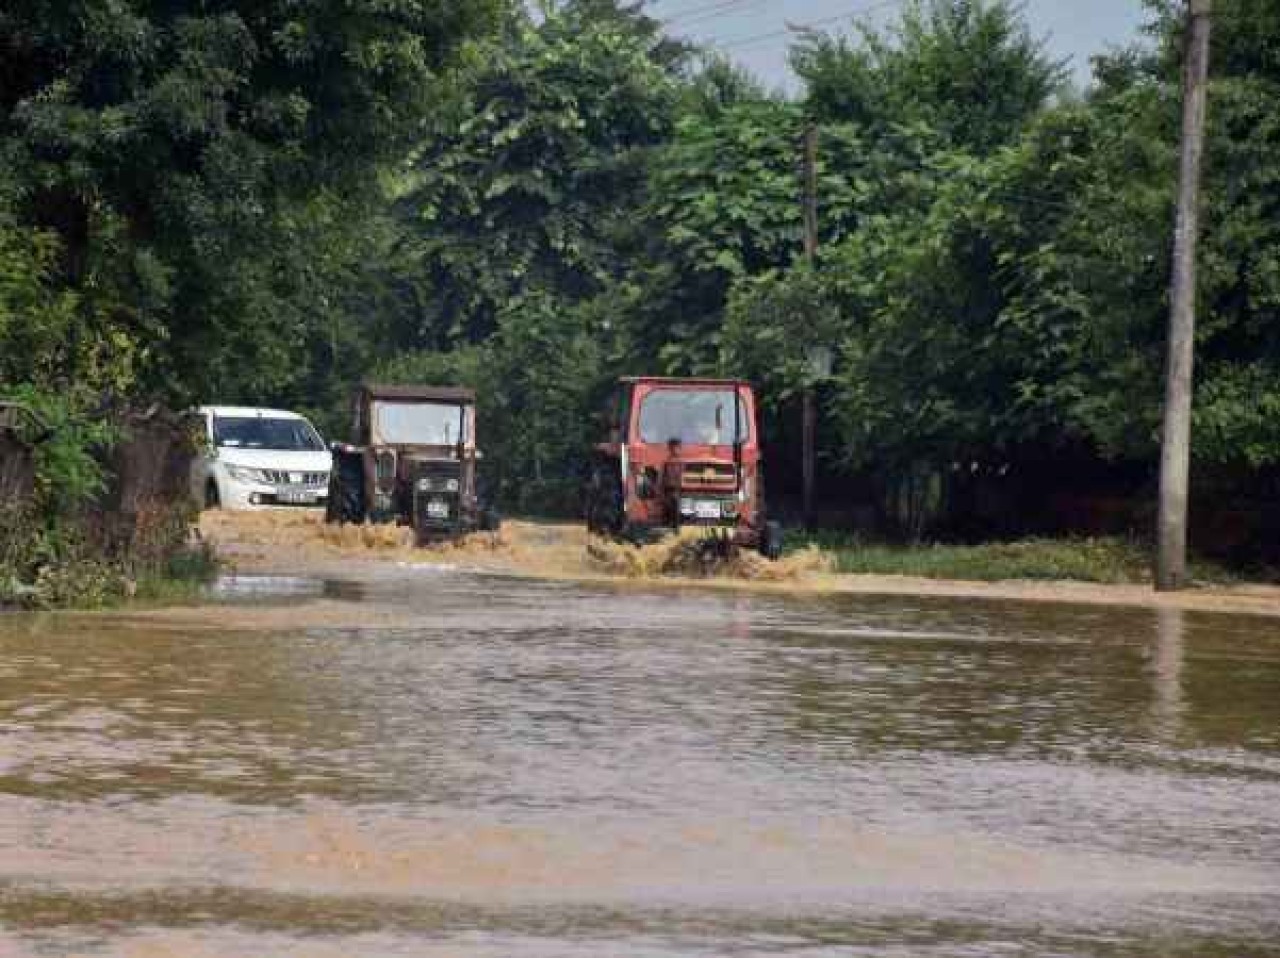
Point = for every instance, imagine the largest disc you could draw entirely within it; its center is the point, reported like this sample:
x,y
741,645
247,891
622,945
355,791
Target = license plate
x,y
297,497
706,510
437,509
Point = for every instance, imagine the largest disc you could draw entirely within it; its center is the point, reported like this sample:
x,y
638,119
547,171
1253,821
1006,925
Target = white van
x,y
260,457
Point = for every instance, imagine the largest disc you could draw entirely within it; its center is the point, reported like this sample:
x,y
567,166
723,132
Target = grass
x,y
183,577
1112,561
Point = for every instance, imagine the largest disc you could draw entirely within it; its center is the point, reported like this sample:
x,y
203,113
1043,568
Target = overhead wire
x,y
736,44
711,11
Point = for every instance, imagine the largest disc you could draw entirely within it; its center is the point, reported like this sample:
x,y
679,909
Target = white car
x,y
260,457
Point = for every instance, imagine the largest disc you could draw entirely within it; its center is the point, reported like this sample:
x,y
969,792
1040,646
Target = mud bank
x,y
299,543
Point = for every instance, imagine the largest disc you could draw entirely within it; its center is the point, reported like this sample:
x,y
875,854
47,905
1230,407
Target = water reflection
x,y
1167,664
512,768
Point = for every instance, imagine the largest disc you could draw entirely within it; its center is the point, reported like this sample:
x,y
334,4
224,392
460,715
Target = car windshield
x,y
419,424
264,432
692,416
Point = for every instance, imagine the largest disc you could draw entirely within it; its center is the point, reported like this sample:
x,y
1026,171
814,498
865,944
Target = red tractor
x,y
682,453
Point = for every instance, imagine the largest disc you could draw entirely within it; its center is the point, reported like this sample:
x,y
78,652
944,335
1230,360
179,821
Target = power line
x,y
678,15
710,11
792,28
712,17
800,27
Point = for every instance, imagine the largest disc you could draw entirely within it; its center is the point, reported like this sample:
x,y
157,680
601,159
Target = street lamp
x,y
820,360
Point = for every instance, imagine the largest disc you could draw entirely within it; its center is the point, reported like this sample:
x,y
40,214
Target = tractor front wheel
x,y
605,506
771,541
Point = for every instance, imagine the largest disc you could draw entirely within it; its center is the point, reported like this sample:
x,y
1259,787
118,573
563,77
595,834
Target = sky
x,y
1074,29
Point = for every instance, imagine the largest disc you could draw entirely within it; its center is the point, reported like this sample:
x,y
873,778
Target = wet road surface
x,y
514,768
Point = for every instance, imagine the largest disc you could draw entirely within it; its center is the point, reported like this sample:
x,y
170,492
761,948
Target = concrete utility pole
x,y
810,414
1175,454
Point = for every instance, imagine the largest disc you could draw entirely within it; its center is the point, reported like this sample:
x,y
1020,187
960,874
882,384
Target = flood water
x,y
526,769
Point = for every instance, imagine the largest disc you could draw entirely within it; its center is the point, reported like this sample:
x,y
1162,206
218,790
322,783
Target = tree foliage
x,y
969,69
168,146
529,181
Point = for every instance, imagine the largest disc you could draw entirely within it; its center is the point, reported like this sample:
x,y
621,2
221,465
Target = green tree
x,y
529,182
968,68
1103,272
167,145
44,336
725,204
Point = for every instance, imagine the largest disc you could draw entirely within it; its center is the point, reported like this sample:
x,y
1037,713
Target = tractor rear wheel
x,y
346,490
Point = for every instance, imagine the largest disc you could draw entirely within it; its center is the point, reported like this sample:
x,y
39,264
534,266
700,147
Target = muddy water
x,y
454,765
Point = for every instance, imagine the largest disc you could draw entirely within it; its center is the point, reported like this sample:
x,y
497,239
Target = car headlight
x,y
424,485
686,507
245,474
451,485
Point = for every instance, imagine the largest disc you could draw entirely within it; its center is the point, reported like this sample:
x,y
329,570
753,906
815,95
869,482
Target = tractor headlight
x,y
427,484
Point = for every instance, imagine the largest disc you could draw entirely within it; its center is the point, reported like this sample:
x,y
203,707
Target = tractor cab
x,y
413,462
681,453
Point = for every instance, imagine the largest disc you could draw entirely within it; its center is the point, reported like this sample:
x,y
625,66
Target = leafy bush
x,y
81,564
63,547
69,471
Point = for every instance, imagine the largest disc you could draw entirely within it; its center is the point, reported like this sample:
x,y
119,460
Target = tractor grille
x,y
437,495
718,476
279,477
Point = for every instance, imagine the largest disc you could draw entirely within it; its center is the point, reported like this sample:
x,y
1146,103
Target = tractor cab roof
x,y
682,381
438,394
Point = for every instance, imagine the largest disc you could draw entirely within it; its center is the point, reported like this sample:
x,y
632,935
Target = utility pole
x,y
811,191
810,414
1175,452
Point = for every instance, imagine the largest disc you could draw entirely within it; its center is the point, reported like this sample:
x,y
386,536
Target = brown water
x,y
467,766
